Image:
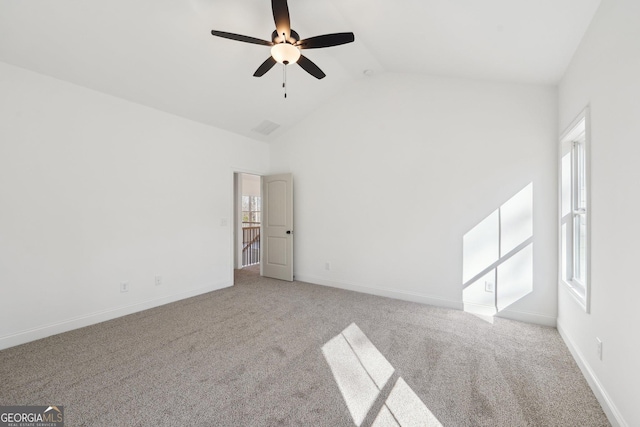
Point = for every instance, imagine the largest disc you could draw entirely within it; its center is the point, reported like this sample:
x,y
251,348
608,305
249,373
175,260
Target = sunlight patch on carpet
x,y
361,373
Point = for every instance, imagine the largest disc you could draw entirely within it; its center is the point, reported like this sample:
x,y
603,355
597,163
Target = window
x,y
251,211
574,210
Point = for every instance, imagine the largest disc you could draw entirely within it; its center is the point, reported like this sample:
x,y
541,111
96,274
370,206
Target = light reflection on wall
x,y
497,264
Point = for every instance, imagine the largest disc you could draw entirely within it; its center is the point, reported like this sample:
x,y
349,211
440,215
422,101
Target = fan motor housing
x,y
277,38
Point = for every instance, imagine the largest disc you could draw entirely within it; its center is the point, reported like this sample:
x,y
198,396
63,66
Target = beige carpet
x,y
252,355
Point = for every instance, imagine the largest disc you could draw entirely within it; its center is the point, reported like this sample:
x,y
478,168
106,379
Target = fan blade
x,y
281,17
310,67
266,66
326,40
240,38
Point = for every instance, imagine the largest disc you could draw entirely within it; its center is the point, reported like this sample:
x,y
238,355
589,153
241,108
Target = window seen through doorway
x,y
251,214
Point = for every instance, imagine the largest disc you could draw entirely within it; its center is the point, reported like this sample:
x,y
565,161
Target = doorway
x,y
248,219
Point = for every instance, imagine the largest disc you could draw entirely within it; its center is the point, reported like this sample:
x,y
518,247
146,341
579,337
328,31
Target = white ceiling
x,y
160,53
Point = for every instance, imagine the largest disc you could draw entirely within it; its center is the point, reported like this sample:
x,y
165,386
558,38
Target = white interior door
x,y
277,223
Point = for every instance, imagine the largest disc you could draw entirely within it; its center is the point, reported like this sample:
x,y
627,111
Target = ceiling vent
x,y
266,127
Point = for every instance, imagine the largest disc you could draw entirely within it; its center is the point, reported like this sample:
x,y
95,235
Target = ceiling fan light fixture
x,y
286,44
285,53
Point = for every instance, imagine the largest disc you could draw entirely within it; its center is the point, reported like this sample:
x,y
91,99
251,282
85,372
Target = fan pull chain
x,y
284,79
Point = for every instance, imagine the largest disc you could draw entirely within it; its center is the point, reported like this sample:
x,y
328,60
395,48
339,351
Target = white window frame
x,y
575,142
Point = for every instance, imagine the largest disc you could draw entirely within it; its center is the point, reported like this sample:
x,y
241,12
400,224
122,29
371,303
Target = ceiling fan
x,y
286,44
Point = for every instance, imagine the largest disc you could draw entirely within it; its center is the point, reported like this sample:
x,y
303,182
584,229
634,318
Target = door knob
x,y
288,231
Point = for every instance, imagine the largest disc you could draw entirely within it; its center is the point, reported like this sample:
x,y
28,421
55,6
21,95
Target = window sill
x,y
579,294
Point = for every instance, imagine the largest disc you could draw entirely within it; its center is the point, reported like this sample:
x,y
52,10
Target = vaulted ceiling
x,y
160,53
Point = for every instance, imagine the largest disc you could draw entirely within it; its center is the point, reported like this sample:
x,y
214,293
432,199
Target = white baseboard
x,y
539,319
609,408
528,317
383,292
44,331
489,311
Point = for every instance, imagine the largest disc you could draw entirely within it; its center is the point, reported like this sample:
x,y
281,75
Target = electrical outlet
x,y
327,266
158,280
124,287
488,286
599,348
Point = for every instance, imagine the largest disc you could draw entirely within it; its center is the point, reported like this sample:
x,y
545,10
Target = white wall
x,y
94,191
391,175
605,73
